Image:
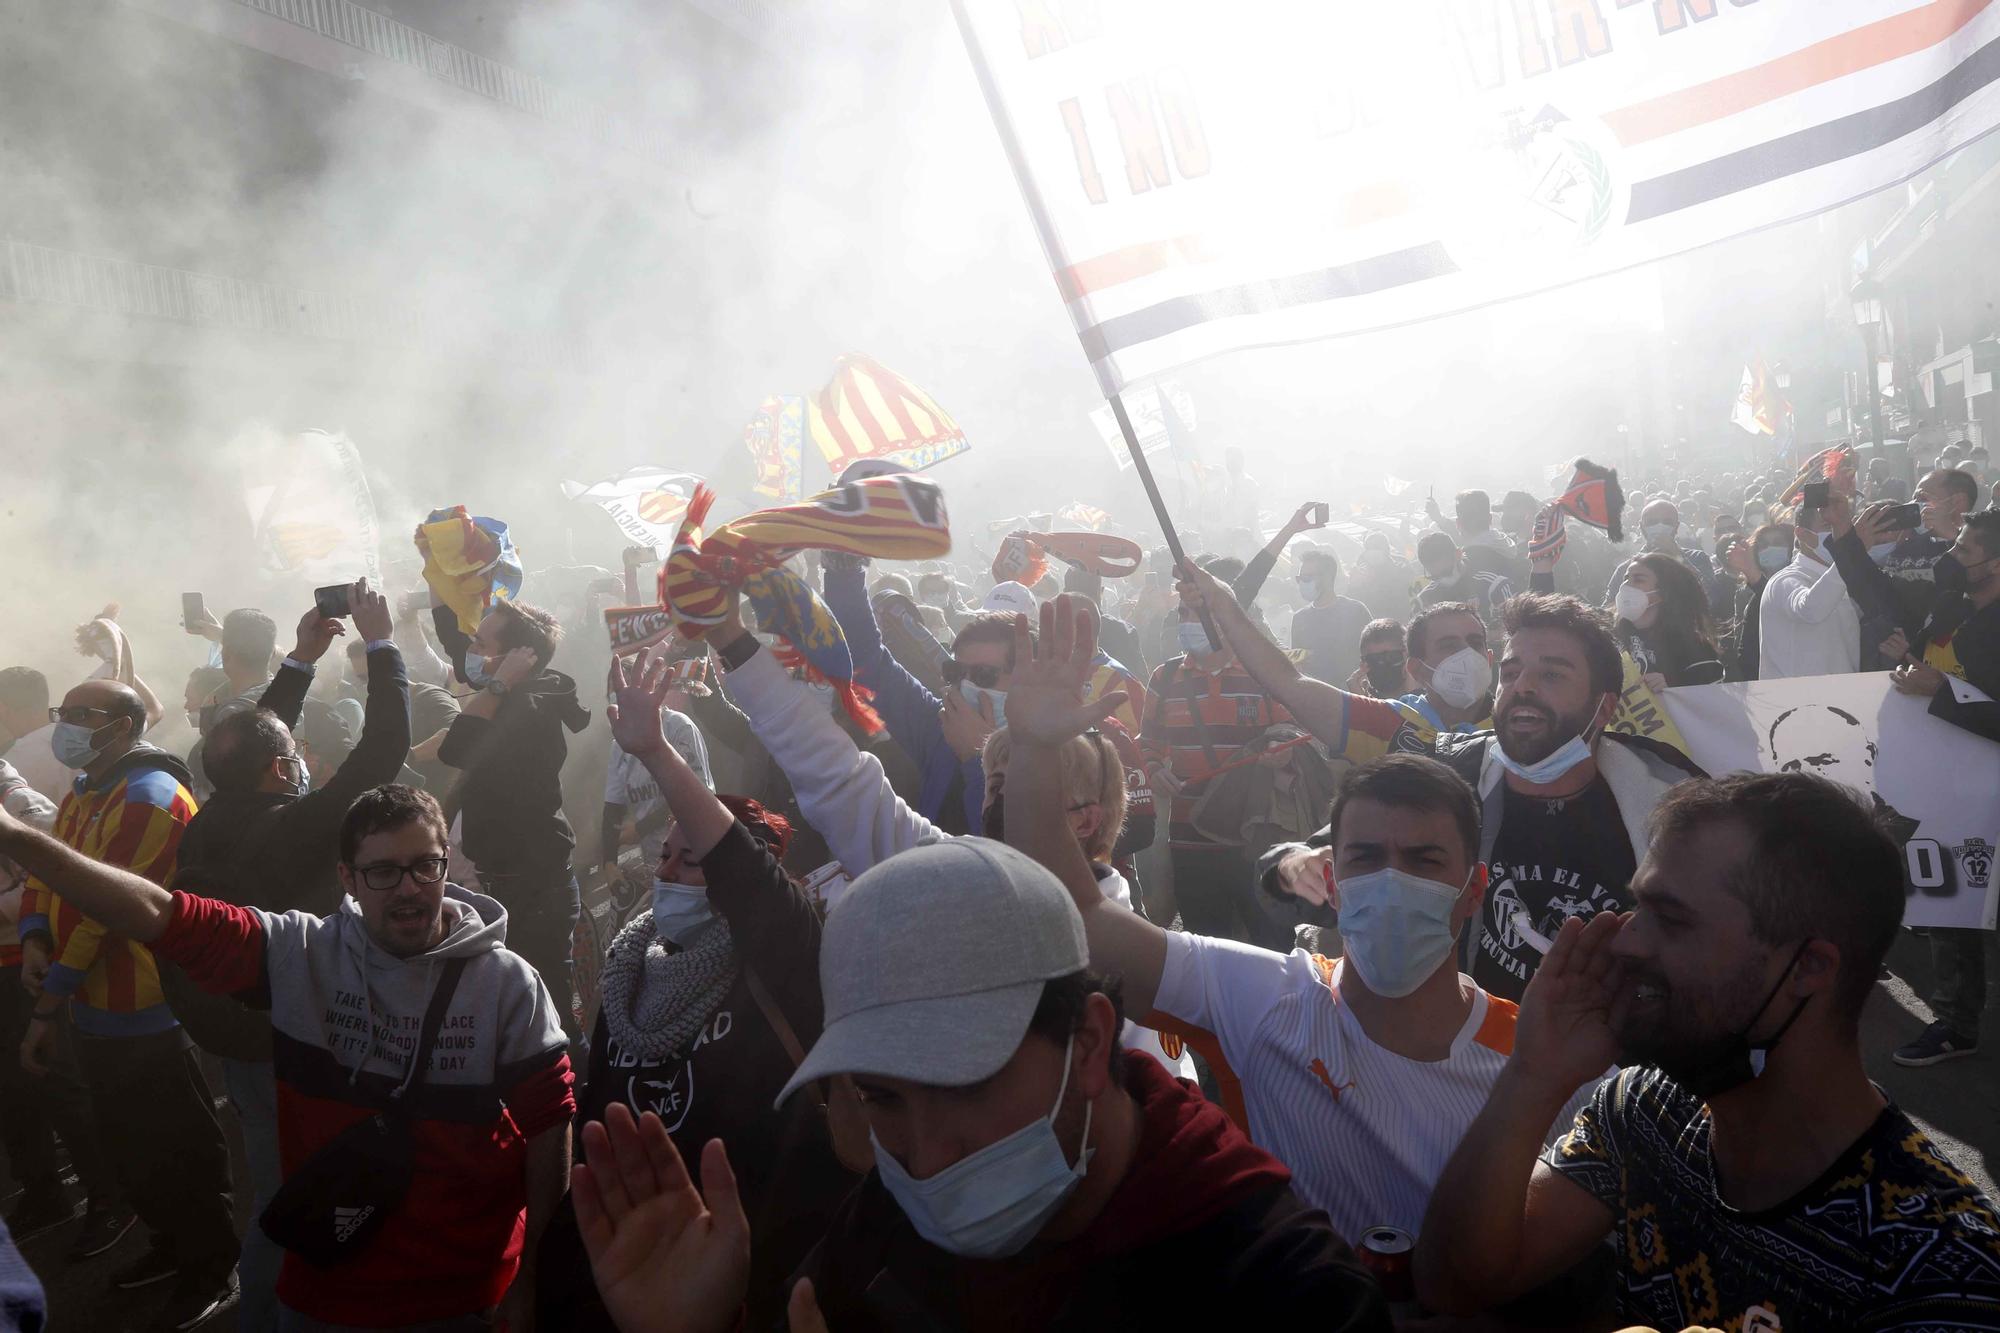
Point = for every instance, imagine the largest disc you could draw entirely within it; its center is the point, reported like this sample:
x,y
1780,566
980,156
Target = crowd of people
x,y
1278,933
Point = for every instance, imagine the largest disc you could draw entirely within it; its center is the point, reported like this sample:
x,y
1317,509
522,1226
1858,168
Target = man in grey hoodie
x,y
489,1123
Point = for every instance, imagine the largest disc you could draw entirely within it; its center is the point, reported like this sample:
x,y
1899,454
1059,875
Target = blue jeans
x,y
253,1091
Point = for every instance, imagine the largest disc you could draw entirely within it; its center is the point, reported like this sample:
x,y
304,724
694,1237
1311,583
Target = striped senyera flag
x,y
869,411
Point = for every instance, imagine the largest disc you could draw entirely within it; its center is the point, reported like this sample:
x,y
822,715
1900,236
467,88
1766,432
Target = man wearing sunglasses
x,y
128,808
488,1119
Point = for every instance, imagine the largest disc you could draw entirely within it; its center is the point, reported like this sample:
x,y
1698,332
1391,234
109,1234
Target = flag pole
x,y
1159,504
1052,248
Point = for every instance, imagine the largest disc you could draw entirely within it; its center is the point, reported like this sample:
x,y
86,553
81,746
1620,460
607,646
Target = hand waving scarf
x,y
889,518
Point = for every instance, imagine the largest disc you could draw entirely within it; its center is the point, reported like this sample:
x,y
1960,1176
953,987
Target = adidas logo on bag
x,y
345,1220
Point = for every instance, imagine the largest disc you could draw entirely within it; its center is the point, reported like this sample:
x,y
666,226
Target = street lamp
x,y
1867,300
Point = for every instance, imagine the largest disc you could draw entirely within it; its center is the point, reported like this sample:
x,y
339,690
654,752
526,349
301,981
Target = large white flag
x,y
1215,174
316,520
645,502
1935,787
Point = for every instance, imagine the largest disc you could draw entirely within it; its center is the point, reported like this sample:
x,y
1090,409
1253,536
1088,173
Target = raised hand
x,y
1563,1035
638,692
665,1257
316,635
370,609
1045,697
965,726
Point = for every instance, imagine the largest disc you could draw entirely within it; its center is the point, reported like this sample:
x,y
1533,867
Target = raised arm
x,y
1044,710
384,744
1251,581
639,693
122,902
843,792
1317,706
1500,1222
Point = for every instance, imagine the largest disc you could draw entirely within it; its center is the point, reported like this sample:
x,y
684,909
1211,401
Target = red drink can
x,y
1385,1252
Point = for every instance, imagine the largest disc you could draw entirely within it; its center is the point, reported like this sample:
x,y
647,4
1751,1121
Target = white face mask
x,y
1193,638
1631,603
994,699
1462,679
681,912
1546,770
1660,534
991,1204
1396,928
1881,551
1309,588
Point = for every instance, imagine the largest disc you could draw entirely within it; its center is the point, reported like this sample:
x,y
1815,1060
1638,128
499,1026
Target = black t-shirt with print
x,y
1552,860
1891,1236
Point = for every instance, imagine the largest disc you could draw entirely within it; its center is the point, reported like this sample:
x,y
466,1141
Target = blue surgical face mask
x,y
1546,770
991,1204
994,699
299,778
681,912
71,743
1309,587
476,674
1396,928
1881,551
1194,639
1771,559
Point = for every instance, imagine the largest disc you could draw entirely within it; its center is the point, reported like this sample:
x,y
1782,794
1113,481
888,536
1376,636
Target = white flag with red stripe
x,y
646,502
1211,175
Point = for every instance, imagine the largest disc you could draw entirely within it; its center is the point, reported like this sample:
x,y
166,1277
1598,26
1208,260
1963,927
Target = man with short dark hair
x,y
347,992
1453,578
508,744
154,1112
1326,627
1390,1026
267,839
1745,1167
1027,1175
1891,573
1563,801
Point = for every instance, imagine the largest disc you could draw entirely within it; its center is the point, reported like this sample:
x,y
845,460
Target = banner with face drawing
x,y
1935,787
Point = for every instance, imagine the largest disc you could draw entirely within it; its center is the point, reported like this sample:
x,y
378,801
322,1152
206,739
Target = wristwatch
x,y
497,688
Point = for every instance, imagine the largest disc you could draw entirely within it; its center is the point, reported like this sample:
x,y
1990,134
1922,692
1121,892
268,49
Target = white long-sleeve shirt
x,y
845,795
1808,625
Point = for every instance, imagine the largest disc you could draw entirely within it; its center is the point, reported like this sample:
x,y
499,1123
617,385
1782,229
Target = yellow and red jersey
x,y
132,819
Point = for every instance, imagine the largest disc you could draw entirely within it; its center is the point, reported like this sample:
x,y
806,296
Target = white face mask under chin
x,y
992,1203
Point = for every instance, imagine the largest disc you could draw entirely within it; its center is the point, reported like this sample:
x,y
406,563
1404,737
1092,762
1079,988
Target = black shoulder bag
x,y
328,1210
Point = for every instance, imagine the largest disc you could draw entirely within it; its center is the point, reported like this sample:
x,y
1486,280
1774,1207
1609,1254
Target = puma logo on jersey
x,y
1318,1070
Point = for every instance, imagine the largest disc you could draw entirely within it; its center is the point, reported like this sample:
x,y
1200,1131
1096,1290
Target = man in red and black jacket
x,y
490,1117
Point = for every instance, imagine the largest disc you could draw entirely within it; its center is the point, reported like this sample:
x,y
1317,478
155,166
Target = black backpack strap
x,y
447,986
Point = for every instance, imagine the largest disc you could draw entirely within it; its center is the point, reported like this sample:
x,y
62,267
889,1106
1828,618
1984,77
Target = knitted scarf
x,y
655,1002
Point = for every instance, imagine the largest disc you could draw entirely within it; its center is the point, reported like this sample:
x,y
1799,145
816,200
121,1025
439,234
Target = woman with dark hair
x,y
709,1000
1663,622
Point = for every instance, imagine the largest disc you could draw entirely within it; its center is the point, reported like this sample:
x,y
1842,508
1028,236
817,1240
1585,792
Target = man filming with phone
x,y
1888,557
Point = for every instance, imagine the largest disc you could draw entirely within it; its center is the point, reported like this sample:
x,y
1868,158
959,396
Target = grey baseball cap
x,y
934,961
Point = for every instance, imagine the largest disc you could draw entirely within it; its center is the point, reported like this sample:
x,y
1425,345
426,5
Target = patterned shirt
x,y
1891,1236
135,821
1195,724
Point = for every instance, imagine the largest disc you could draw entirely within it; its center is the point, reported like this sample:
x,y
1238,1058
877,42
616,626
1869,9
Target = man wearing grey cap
x,y
1026,1171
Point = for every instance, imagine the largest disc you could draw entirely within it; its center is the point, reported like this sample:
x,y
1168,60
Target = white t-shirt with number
x,y
1366,1132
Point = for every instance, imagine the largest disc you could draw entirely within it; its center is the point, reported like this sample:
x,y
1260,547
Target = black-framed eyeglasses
x,y
954,671
383,876
77,714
